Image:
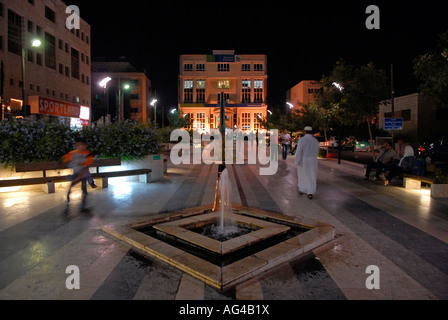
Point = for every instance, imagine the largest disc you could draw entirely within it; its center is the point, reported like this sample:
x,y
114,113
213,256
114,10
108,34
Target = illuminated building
x,y
303,93
243,80
58,70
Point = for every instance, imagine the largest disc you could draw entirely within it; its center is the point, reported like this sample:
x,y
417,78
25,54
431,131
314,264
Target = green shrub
x,y
43,140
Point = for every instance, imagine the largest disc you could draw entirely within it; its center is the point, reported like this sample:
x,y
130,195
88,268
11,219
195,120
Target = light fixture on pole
x,y
34,44
290,105
103,84
153,104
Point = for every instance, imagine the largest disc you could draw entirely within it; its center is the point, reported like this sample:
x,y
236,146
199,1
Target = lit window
x,y
223,84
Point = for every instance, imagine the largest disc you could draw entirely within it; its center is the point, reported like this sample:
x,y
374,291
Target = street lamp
x,y
270,112
290,105
34,44
337,85
103,84
153,104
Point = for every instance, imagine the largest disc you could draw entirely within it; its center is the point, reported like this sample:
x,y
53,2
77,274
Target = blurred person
x,y
79,160
286,139
405,165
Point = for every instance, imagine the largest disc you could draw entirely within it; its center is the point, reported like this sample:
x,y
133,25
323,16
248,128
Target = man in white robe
x,y
306,161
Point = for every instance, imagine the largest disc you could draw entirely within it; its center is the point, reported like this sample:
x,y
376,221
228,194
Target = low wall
x,y
153,162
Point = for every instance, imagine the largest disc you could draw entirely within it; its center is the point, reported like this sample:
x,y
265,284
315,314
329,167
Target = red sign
x,y
58,108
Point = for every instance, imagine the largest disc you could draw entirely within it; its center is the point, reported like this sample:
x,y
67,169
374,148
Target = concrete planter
x,y
439,190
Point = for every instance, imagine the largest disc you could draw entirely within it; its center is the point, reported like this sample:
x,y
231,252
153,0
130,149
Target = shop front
x,y
75,115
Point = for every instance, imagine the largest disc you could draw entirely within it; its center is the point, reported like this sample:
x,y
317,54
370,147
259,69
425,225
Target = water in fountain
x,y
224,193
224,229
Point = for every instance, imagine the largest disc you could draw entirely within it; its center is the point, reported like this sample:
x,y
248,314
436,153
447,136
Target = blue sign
x,y
393,123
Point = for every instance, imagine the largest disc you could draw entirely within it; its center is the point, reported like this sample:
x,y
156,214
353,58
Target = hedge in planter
x,y
43,140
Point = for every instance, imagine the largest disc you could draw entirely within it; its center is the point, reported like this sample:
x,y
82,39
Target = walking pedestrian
x,y
79,160
286,139
306,161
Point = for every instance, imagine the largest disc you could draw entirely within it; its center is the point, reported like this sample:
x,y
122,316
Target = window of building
x,y
75,63
212,121
38,31
245,91
223,84
245,67
190,120
223,67
30,26
258,91
245,121
67,49
258,67
39,59
30,55
200,67
1,42
200,91
14,33
67,71
50,14
406,115
134,96
226,97
188,91
200,121
31,2
60,44
188,67
257,120
50,51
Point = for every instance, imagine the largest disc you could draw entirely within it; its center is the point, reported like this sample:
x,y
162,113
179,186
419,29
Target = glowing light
x,y
337,85
290,105
103,83
36,43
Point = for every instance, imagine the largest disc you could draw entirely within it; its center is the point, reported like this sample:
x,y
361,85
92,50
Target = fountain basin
x,y
258,258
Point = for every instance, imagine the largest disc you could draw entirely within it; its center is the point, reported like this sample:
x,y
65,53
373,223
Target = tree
x,y
349,95
432,70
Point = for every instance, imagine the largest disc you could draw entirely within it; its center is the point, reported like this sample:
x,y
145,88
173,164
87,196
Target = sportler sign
x,y
52,107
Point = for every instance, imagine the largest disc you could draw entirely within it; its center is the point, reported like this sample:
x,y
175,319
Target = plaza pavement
x,y
402,232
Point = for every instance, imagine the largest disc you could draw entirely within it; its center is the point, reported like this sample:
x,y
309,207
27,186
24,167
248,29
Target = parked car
x,y
434,149
348,144
362,145
322,142
333,142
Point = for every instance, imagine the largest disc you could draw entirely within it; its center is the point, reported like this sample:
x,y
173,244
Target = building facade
x,y
420,118
303,93
57,73
243,80
126,96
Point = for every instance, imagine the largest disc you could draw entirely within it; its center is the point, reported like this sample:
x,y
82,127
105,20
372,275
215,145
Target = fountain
x,y
224,245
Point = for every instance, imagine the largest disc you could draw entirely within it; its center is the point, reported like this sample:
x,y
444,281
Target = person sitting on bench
x,y
404,166
387,159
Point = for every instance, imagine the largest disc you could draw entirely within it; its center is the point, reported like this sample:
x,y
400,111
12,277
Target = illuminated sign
x,y
41,105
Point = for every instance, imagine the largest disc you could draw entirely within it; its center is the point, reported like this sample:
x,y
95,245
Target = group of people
x,y
388,164
306,160
391,163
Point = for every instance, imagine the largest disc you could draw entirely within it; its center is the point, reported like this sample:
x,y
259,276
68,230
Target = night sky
x,y
302,39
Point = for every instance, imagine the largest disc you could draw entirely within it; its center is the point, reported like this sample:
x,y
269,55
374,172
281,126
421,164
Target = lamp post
x,y
341,89
153,104
103,83
35,43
